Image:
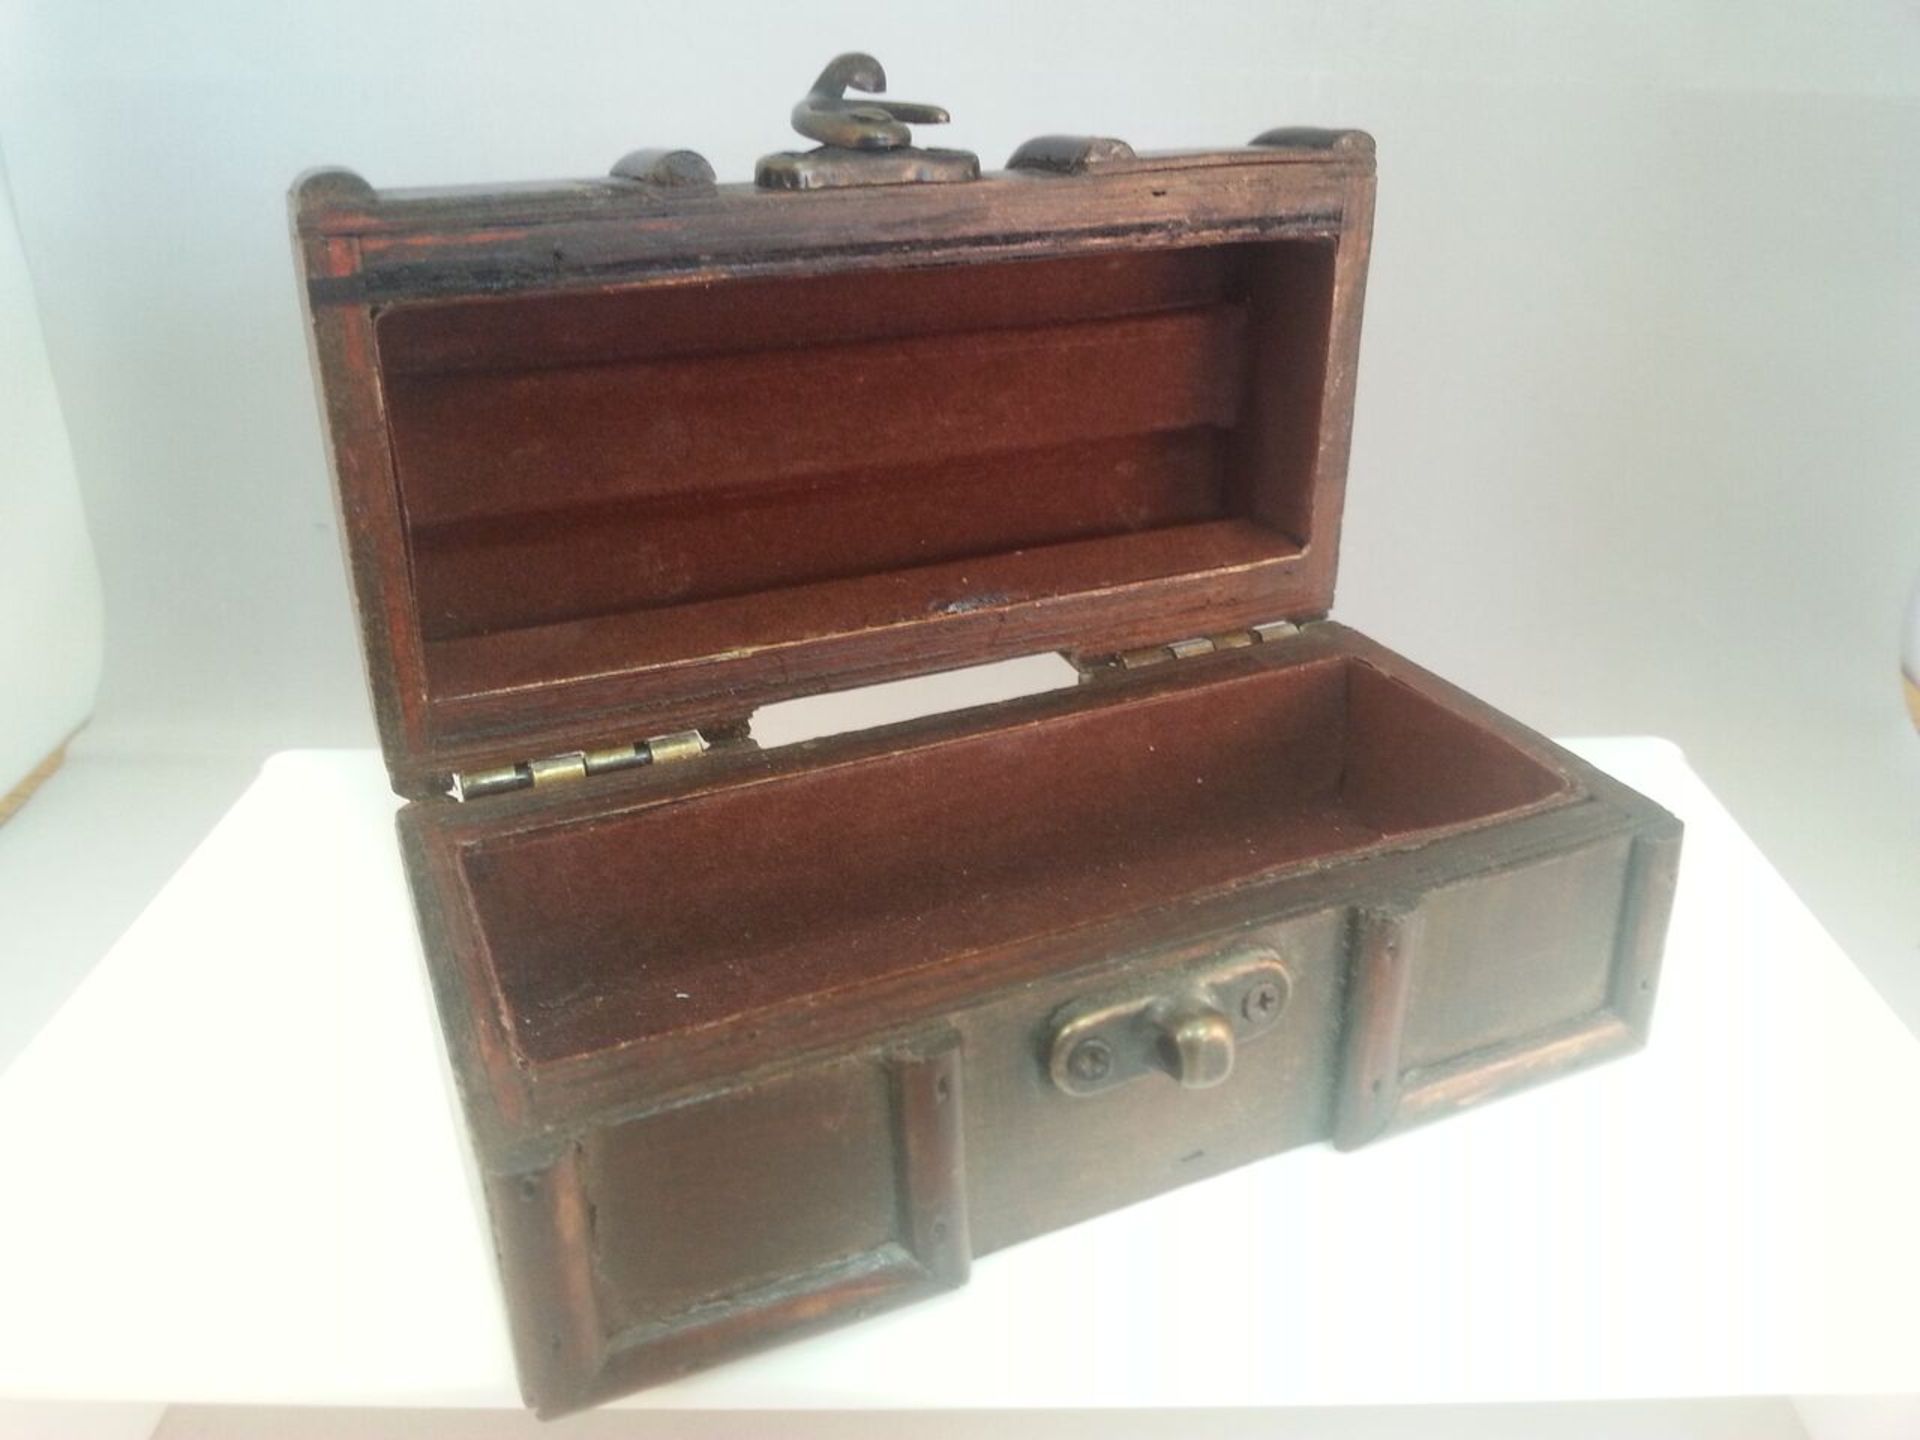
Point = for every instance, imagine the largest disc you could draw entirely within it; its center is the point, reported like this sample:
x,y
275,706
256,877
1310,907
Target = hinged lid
x,y
622,458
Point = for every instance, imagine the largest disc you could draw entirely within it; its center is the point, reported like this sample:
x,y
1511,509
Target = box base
x,y
766,1042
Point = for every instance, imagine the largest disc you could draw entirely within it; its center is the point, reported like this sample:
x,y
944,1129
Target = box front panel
x,y
824,1191
1040,1156
1137,1021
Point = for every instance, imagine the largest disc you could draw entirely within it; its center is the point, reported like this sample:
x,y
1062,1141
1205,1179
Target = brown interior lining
x,y
678,549
630,639
741,898
716,425
842,452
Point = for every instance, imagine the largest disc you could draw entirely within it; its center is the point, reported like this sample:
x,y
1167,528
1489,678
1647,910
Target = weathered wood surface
x,y
756,1043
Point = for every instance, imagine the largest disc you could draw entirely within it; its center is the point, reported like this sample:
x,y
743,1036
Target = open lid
x,y
619,458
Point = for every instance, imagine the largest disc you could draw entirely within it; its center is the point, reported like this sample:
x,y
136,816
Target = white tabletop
x,y
233,1172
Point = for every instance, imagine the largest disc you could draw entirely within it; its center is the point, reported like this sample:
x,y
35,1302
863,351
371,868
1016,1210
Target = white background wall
x,y
1637,438
49,588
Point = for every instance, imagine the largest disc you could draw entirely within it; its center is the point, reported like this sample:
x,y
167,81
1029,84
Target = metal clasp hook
x,y
862,141
826,115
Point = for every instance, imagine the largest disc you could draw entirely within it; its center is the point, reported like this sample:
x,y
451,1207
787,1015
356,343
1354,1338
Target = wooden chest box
x,y
754,1042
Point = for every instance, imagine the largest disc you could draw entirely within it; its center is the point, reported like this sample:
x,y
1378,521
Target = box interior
x,y
753,893
658,475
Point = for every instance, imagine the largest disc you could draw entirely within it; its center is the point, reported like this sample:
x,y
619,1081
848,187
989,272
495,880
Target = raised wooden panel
x,y
1514,954
1502,980
658,1245
704,1201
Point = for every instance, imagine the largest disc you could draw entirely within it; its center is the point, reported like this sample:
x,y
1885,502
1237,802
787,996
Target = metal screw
x,y
1091,1060
1262,1001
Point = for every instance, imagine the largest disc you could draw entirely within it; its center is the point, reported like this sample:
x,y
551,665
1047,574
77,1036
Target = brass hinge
x,y
1205,644
575,765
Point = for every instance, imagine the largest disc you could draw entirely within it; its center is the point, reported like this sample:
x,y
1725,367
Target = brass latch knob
x,y
1197,1045
1190,1028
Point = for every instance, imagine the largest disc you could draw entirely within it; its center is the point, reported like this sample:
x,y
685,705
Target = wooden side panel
x,y
1503,980
346,368
655,1246
1513,954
